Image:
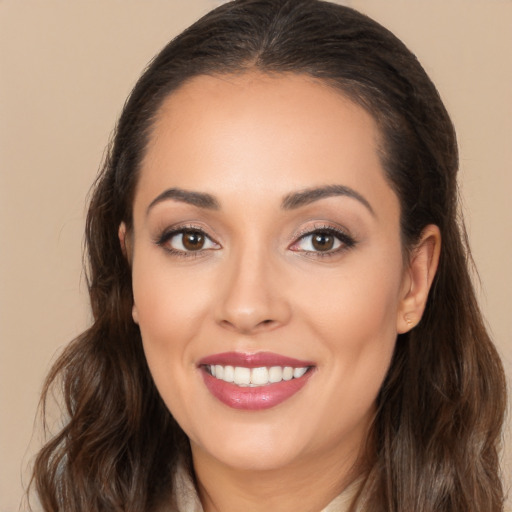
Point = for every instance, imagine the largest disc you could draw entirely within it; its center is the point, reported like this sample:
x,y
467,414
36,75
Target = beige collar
x,y
187,499
345,501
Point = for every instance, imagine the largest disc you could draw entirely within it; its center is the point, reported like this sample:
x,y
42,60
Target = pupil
x,y
193,240
323,241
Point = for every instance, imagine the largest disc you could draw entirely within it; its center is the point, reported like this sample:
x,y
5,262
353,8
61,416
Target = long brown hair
x,y
440,411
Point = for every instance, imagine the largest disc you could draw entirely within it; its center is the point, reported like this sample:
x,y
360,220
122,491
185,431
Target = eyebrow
x,y
310,195
199,199
290,202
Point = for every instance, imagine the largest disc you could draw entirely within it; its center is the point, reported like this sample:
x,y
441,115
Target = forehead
x,y
261,133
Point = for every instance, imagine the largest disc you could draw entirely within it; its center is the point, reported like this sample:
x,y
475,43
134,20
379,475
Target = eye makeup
x,y
186,241
322,240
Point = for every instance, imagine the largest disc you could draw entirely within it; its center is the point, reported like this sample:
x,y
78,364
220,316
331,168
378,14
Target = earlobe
x,y
121,233
135,314
126,243
419,277
126,249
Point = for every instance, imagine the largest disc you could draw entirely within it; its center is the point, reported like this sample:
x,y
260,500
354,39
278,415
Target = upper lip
x,y
255,360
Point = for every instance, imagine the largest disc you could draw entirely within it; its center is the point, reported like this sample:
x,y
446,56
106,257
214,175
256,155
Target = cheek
x,y
165,299
353,317
355,330
357,302
170,310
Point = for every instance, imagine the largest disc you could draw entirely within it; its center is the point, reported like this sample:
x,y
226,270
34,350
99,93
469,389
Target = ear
x,y
135,314
121,233
124,240
418,278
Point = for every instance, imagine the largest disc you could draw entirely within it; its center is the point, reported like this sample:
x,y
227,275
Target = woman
x,y
283,314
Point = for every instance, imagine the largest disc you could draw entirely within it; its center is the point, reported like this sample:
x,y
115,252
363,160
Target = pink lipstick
x,y
254,381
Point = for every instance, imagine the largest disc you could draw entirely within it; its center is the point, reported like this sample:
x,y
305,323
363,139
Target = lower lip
x,y
257,398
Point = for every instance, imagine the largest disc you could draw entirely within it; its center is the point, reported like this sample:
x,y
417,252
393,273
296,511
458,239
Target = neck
x,y
226,489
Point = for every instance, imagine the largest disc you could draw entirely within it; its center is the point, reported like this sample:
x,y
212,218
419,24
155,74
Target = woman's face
x,y
266,250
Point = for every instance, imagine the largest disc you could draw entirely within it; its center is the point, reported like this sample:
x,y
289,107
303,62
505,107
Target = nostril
x,y
265,325
227,324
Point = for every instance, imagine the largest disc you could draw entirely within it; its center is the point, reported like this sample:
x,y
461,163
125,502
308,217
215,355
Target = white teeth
x,y
229,374
259,376
254,377
287,373
242,376
275,374
299,372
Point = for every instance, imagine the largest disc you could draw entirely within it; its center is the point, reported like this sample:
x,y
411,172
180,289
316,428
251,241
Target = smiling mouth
x,y
255,377
254,382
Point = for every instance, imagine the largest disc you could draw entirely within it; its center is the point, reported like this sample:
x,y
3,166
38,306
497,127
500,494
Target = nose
x,y
253,297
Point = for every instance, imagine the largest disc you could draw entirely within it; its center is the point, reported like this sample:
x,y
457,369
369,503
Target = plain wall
x,y
65,71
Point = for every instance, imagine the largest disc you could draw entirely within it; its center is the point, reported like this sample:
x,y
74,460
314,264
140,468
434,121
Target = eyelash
x,y
346,241
168,235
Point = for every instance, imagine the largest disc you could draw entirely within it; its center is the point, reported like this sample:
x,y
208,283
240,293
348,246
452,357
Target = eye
x,y
186,241
325,240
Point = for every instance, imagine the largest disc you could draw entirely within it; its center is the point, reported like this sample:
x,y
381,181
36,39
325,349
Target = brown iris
x,y
193,240
323,241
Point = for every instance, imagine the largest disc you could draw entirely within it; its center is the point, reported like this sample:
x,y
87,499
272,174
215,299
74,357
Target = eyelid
x,y
347,240
170,232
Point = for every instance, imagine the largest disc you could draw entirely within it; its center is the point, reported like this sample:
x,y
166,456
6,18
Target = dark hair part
x,y
436,434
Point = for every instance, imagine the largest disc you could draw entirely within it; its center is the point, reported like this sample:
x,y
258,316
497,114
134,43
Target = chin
x,y
248,448
253,459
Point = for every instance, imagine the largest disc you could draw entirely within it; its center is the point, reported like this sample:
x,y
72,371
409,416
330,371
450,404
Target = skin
x,y
251,140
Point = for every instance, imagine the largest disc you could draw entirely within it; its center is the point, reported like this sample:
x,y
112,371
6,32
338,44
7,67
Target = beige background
x,y
65,70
